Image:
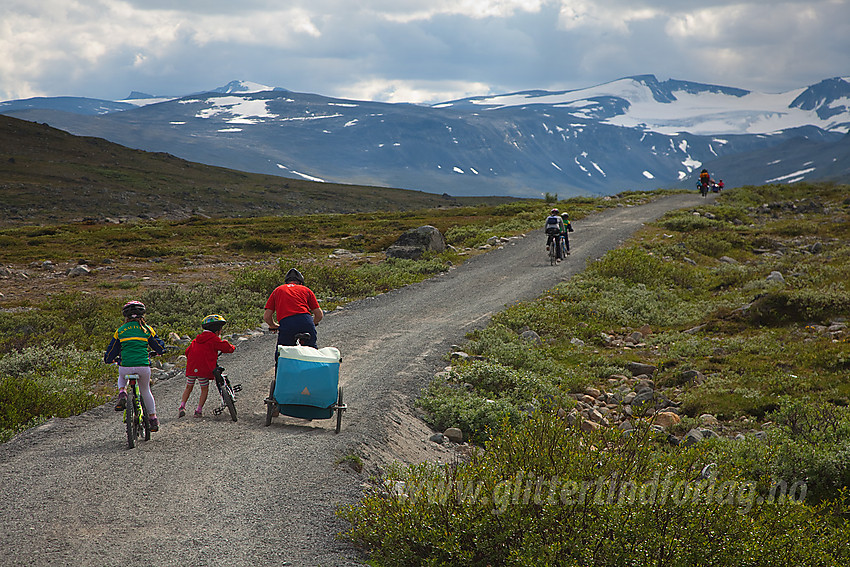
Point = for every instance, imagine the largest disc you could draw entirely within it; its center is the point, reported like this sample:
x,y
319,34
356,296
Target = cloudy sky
x,y
413,50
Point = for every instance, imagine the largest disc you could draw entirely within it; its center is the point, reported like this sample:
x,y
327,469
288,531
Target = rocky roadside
x,y
624,399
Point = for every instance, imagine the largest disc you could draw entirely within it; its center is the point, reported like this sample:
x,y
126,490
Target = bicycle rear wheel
x,y
270,405
552,253
146,422
339,410
227,396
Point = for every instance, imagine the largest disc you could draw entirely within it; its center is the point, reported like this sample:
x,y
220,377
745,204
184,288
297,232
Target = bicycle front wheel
x,y
227,396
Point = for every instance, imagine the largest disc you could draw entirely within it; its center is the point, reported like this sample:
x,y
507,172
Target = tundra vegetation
x,y
54,327
538,485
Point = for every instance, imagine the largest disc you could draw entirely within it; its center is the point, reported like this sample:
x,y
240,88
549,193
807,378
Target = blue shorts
x,y
291,326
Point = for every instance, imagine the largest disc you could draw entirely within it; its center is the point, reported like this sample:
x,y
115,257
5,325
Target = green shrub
x,y
257,244
181,308
782,306
40,382
684,221
636,266
611,301
451,405
537,495
83,320
467,236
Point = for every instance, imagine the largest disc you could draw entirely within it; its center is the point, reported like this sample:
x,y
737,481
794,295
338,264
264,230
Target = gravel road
x,y
213,492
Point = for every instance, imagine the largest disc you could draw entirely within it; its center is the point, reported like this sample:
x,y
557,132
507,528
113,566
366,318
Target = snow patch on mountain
x,y
241,110
673,107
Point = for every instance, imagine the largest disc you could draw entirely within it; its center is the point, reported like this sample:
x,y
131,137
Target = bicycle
x,y
227,391
557,250
135,414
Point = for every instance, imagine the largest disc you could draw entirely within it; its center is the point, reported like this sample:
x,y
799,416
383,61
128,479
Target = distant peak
x,y
136,94
244,87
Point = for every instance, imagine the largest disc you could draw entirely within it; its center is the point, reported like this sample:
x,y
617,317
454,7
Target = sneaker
x,y
547,249
181,411
122,401
154,424
199,413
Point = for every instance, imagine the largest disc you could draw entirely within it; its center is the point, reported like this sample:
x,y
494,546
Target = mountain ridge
x,y
634,133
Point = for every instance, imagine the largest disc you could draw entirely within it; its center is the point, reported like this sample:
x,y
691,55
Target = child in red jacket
x,y
202,359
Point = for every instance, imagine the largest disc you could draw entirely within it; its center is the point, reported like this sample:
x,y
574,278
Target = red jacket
x,y
202,354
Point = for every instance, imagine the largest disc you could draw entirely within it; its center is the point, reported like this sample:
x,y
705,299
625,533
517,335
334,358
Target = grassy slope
x,y
48,175
774,357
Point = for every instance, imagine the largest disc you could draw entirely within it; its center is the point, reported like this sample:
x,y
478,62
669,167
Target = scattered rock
x,y
454,435
691,377
79,270
709,420
415,242
776,277
592,392
531,337
667,419
692,437
638,368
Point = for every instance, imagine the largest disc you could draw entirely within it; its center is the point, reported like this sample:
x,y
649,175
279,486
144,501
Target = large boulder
x,y
415,242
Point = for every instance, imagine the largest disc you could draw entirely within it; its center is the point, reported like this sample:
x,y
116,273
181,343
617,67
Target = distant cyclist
x,y
568,228
130,348
554,228
704,181
292,308
202,360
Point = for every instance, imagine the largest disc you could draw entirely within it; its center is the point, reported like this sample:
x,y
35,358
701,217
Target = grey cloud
x,y
790,45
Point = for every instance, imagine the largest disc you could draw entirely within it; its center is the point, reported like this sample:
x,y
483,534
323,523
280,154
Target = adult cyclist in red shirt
x,y
292,308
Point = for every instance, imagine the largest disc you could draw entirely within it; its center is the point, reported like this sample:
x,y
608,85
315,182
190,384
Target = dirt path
x,y
214,492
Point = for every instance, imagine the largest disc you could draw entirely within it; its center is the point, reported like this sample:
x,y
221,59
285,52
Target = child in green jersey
x,y
129,347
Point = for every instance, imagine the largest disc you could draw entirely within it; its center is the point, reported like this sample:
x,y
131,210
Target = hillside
x,y
48,175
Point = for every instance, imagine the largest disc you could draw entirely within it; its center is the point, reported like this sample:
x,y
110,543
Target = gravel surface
x,y
213,492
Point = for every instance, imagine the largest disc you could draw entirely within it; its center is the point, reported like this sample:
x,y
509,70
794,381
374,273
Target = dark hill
x,y
48,175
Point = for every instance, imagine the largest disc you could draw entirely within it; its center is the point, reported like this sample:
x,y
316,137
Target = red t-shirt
x,y
291,299
202,354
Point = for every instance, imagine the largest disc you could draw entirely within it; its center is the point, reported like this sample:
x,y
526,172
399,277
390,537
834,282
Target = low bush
x,y
40,382
450,405
181,308
543,493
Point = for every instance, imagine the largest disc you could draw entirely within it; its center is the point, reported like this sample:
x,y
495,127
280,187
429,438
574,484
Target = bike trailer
x,y
307,381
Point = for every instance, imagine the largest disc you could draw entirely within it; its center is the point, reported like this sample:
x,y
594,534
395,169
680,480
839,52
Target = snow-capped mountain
x,y
634,133
672,107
